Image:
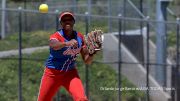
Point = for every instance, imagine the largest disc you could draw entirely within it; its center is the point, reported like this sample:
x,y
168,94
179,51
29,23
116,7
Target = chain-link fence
x,y
125,69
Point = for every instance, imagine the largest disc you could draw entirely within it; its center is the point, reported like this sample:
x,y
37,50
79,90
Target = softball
x,y
43,8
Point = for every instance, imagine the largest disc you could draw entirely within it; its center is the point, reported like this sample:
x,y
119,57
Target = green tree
x,y
177,2
178,7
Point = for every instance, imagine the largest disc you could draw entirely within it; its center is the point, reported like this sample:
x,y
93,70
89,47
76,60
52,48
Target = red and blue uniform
x,y
61,70
64,58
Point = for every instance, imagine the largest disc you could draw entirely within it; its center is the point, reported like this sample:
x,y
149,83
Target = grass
x,y
100,75
29,39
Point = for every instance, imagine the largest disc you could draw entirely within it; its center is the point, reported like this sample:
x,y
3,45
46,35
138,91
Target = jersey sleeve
x,y
57,36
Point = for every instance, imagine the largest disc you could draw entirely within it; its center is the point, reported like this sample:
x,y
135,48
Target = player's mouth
x,y
68,26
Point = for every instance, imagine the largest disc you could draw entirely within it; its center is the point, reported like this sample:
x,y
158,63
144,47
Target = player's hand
x,y
72,43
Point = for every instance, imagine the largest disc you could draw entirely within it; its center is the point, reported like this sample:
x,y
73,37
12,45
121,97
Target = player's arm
x,y
87,58
56,44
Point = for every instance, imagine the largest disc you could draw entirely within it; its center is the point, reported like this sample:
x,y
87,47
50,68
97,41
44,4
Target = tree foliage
x,y
177,2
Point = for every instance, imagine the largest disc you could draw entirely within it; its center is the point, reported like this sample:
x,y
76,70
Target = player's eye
x,y
64,20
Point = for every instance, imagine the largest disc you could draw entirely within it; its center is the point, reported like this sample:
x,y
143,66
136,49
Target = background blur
x,y
139,60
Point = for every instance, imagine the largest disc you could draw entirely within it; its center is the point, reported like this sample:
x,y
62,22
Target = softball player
x,y
65,44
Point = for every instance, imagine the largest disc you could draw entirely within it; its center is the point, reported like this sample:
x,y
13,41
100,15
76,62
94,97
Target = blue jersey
x,y
64,58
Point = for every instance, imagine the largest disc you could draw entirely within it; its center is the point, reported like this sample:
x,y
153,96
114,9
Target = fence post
x,y
119,58
57,27
109,18
124,15
141,10
87,66
20,56
57,19
89,6
25,16
173,81
3,19
161,41
147,59
177,80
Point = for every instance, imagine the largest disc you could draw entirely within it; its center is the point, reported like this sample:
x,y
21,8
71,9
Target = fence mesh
x,y
103,73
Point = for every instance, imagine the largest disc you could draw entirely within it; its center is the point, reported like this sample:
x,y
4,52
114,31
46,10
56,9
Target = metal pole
x,y
119,59
161,41
44,21
75,6
25,15
177,81
147,61
109,14
124,15
173,80
20,56
57,20
89,11
3,19
141,10
57,27
87,66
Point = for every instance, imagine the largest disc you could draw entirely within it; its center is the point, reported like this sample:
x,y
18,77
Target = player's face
x,y
67,22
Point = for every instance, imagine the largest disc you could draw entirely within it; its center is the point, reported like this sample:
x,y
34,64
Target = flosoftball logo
x,y
72,52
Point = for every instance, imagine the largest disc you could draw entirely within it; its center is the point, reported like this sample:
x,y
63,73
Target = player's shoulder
x,y
56,35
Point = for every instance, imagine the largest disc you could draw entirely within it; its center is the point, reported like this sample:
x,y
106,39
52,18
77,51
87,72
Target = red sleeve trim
x,y
57,36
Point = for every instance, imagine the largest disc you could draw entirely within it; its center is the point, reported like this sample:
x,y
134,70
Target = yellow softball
x,y
43,8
